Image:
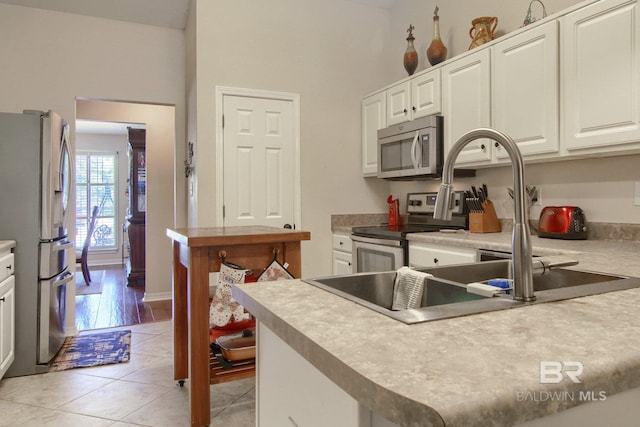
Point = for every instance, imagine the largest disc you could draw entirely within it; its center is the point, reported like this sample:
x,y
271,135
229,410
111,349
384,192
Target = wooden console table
x,y
195,255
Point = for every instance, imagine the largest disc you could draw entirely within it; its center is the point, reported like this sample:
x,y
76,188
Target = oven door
x,y
371,255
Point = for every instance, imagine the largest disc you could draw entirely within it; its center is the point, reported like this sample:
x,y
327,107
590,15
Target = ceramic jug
x,y
482,30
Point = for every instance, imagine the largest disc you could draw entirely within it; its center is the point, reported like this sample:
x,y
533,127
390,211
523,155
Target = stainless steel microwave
x,y
411,149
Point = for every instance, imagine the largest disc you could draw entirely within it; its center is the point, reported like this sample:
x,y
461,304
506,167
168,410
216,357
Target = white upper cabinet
x,y
466,104
413,98
374,117
524,80
426,94
562,89
601,77
398,103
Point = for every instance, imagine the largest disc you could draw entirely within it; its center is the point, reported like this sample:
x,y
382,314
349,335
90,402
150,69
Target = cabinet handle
x,y
340,243
2,299
496,145
435,260
405,111
482,147
414,109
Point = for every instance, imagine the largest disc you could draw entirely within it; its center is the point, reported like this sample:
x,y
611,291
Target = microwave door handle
x,y
414,146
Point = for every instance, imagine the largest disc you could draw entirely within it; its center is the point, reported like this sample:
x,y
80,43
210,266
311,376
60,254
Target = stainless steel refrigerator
x,y
35,172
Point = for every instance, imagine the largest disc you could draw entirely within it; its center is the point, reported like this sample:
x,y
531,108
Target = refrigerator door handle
x,y
63,245
63,280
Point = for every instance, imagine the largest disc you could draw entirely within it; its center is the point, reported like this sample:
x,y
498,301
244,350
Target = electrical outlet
x,y
636,193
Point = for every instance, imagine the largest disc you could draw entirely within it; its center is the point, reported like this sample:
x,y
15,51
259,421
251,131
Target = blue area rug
x,y
84,351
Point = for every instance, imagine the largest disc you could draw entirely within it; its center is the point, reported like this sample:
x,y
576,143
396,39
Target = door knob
x,y
288,226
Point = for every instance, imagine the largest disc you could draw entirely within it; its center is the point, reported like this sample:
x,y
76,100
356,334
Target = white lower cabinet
x,y
291,392
7,312
429,255
341,254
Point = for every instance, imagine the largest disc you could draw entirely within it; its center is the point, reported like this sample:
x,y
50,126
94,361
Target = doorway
x,y
159,121
258,158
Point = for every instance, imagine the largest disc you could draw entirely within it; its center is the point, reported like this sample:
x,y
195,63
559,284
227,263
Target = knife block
x,y
485,222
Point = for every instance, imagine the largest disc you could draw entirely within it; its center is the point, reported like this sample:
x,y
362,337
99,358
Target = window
x,y
96,183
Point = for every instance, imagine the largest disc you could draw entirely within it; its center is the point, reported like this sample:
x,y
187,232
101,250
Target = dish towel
x,y
408,288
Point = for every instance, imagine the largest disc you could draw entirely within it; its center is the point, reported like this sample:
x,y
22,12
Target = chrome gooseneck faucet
x,y
522,270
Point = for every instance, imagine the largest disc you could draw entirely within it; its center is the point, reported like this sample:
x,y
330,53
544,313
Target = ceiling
x,y
160,13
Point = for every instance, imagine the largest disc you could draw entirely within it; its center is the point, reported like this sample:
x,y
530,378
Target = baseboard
x,y
157,296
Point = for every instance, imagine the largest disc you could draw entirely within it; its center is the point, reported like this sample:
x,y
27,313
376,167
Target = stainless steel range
x,y
385,248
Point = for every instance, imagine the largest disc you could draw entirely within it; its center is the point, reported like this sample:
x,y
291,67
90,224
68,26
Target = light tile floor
x,y
138,393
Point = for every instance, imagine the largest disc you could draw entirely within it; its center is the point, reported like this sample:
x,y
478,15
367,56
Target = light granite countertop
x,y
482,369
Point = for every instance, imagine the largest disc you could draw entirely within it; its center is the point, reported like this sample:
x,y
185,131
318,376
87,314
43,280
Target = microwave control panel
x,y
424,203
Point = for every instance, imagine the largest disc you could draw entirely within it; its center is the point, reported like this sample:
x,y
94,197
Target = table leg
x,y
180,321
199,371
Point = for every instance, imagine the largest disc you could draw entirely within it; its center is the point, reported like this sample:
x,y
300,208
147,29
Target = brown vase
x,y
437,51
410,55
482,30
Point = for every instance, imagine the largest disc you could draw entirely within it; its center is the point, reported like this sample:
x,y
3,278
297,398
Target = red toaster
x,y
562,222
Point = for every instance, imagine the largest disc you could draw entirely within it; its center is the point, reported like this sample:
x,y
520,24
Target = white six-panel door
x,y
259,168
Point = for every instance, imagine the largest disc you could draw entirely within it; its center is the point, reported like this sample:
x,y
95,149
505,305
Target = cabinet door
x,y
292,392
342,263
426,94
601,75
7,324
466,104
427,255
525,90
398,103
374,117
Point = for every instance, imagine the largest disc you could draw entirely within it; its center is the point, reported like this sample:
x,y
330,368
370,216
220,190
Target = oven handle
x,y
414,147
373,241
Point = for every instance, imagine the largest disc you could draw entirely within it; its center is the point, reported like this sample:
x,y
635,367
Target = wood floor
x,y
118,304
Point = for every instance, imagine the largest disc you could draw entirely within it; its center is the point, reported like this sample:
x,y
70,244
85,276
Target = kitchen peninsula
x,y
196,253
481,369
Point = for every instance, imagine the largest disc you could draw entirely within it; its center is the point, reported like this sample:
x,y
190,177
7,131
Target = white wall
x,y
50,58
331,52
191,99
110,144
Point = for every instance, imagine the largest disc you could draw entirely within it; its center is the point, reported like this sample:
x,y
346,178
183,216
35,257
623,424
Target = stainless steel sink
x,y
446,294
553,279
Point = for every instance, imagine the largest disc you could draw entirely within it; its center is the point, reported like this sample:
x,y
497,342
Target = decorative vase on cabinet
x,y
482,30
437,51
137,206
410,55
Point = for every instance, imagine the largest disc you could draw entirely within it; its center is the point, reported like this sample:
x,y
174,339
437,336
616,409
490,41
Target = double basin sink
x,y
446,292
